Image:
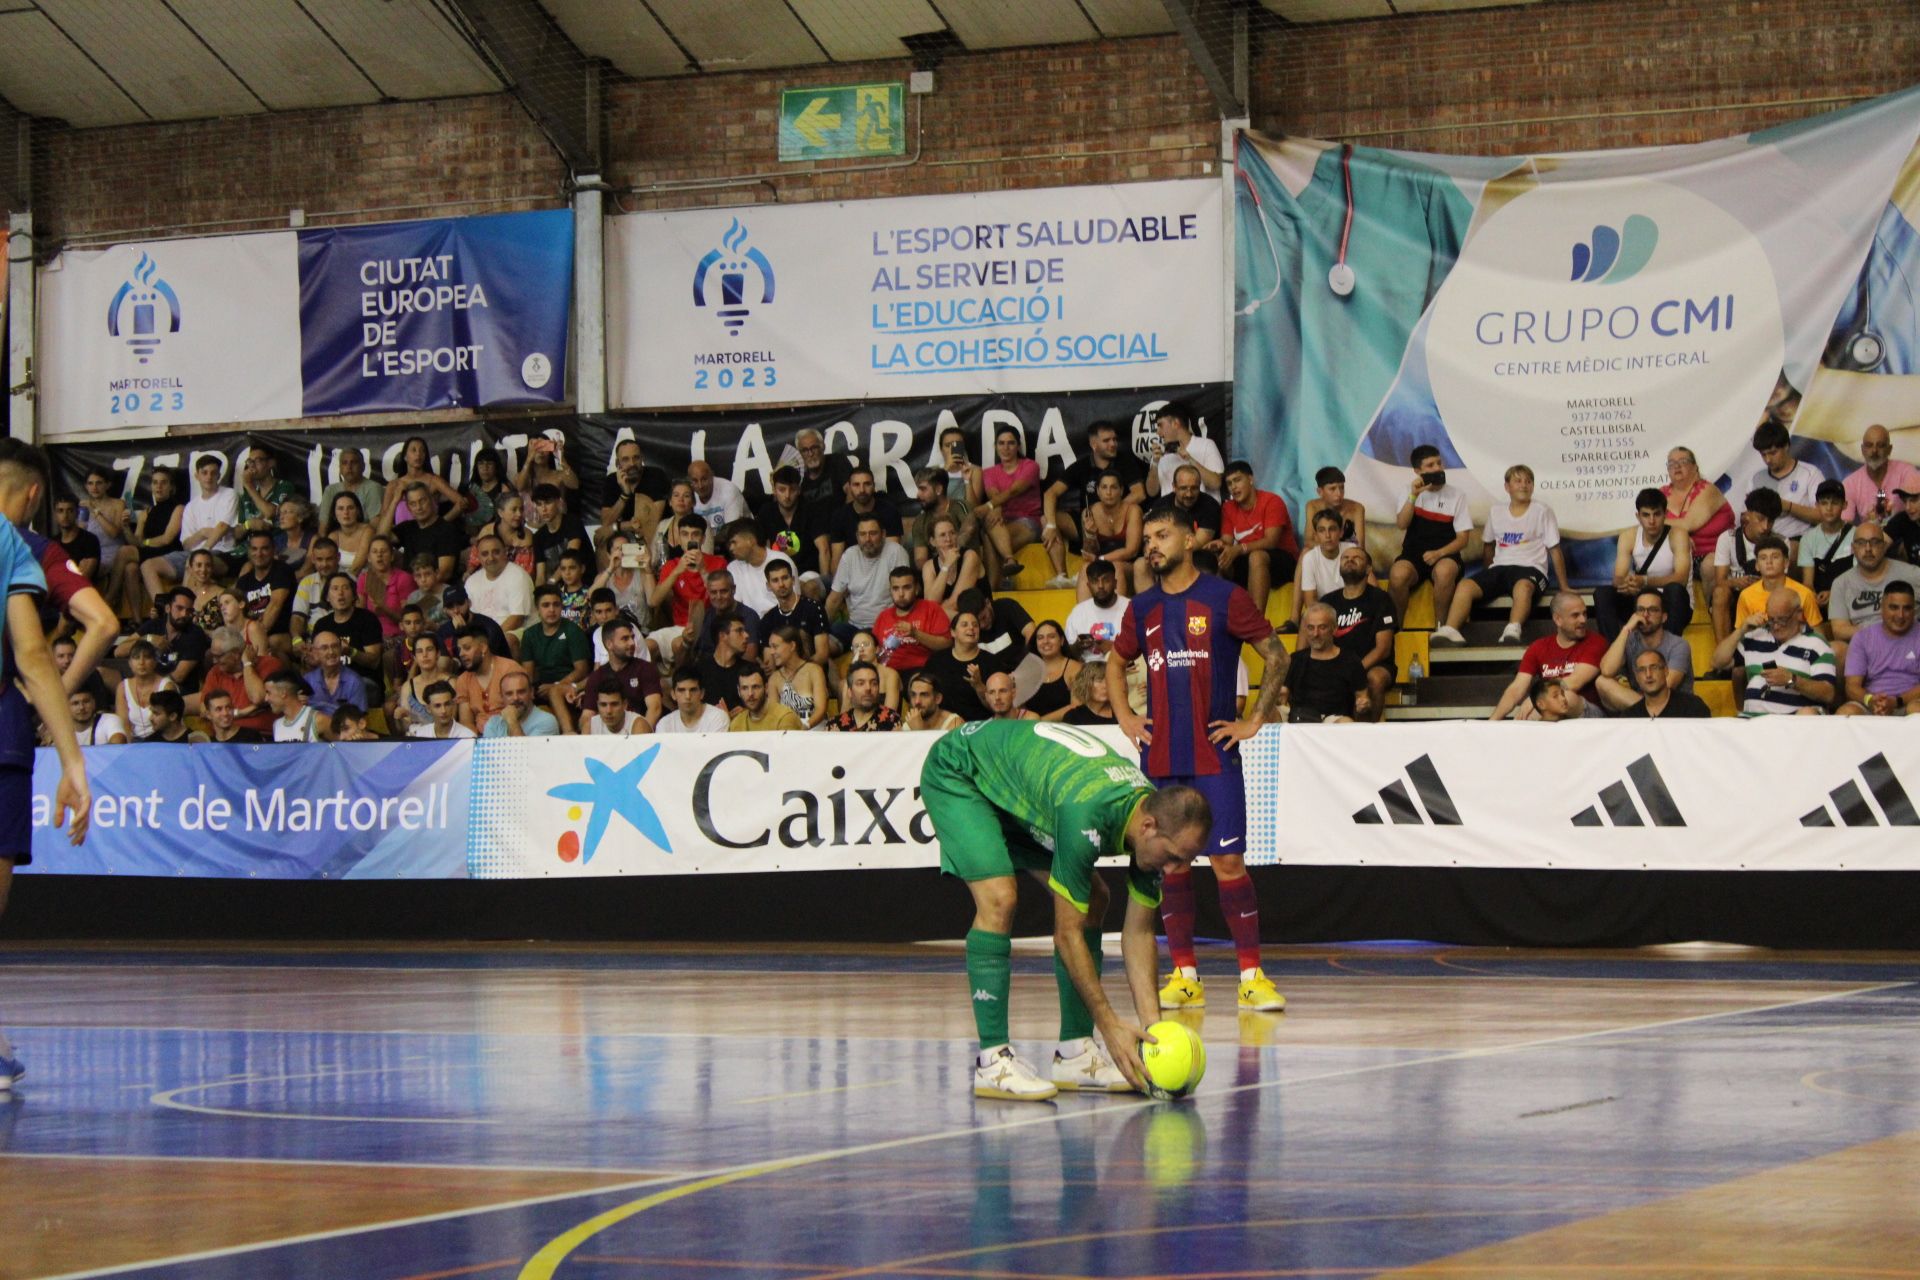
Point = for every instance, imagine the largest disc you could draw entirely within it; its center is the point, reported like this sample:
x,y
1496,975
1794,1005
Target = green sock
x,y
990,975
1075,1022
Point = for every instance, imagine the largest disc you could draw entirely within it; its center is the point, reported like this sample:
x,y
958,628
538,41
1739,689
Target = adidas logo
x,y
1853,808
1616,800
981,993
1399,806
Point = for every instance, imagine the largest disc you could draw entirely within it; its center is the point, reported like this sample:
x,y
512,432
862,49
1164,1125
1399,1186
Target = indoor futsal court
x,y
508,1112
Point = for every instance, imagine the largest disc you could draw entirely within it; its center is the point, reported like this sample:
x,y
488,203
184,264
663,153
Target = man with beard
x,y
1571,655
1363,627
1854,601
1649,631
1094,622
1189,627
1654,695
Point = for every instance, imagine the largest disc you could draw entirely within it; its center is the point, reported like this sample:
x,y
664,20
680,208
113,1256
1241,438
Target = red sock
x,y
1176,917
1241,906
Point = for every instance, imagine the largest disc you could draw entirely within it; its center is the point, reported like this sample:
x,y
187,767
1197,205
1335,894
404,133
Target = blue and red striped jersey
x,y
1191,640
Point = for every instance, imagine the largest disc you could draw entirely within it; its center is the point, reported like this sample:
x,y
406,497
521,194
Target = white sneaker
x,y
1058,582
1003,1074
1089,1071
1510,634
1448,635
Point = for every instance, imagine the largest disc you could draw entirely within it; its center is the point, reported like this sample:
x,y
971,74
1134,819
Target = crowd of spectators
x,y
237,612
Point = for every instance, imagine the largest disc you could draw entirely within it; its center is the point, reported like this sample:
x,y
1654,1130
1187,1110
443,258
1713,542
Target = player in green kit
x,y
1008,795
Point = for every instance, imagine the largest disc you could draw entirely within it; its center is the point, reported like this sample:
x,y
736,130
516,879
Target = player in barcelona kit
x,y
1189,626
1010,795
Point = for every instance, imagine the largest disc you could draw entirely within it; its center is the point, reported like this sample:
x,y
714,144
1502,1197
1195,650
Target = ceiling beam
x,y
1216,35
555,83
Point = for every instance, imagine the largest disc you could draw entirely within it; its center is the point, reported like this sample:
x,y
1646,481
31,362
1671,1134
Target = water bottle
x,y
1411,698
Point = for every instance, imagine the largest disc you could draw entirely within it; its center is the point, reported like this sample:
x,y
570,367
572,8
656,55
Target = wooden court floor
x,y
503,1112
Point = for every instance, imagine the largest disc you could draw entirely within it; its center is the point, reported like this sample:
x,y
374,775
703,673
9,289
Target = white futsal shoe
x,y
1088,1069
1002,1073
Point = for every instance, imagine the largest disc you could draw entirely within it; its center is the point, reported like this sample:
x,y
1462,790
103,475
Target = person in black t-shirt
x,y
636,496
1363,626
720,670
788,525
82,547
791,609
429,533
962,671
1651,699
1074,490
266,588
823,476
1324,685
862,500
180,648
218,707
556,532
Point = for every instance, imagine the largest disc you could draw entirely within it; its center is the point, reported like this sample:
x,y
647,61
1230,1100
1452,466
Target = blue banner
x,y
349,811
453,313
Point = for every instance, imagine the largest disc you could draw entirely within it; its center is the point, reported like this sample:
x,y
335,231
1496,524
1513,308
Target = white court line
x,y
1055,1117
169,1098
658,1175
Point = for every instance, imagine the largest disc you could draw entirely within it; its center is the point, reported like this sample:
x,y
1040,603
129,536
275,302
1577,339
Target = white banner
x,y
1782,794
1064,289
169,333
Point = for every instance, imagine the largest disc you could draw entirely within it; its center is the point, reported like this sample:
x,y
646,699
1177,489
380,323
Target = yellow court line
x,y
544,1264
815,1093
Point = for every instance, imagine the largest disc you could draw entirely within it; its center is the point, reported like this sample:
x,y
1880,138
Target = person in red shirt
x,y
683,579
1572,655
1257,545
912,626
235,670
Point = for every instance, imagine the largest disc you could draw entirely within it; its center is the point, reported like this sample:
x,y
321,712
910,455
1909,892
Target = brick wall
x,y
1115,111
1610,73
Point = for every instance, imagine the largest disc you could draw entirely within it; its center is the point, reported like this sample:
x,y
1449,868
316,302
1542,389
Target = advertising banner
x,y
452,313
1695,795
183,331
1595,795
347,811
448,313
1063,289
893,439
1583,314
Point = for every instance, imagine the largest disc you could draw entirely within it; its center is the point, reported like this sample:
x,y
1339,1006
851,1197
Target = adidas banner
x,y
1781,794
1583,314
441,314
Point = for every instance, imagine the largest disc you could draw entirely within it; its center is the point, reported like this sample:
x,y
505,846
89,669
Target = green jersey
x,y
1061,794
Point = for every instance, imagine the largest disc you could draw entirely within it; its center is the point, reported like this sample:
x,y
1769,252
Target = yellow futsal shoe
x,y
1182,992
1258,993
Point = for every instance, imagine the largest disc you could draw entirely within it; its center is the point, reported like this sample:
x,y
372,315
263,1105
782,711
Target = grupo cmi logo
x,y
1615,257
135,312
720,280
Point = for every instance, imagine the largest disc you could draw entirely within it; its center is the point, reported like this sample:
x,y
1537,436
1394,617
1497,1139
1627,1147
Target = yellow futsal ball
x,y
1176,1060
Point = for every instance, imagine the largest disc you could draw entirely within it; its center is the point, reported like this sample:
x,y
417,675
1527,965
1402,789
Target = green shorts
x,y
977,841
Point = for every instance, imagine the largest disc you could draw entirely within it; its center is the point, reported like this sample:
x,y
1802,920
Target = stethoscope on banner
x,y
1340,277
1863,350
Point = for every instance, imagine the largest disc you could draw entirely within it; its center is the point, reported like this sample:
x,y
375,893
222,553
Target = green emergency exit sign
x,y
841,121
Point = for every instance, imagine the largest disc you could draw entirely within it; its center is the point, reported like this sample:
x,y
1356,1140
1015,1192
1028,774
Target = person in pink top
x,y
384,586
1696,506
1008,500
1870,490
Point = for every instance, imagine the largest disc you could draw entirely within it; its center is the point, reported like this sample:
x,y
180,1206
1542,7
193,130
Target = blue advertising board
x,y
451,313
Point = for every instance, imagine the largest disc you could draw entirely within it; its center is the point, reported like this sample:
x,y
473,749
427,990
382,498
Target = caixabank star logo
x,y
608,792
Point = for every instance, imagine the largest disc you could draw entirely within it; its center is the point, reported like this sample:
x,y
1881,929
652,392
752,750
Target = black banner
x,y
894,438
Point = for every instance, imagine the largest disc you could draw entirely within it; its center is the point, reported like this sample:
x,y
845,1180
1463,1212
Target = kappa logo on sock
x,y
1400,808
981,993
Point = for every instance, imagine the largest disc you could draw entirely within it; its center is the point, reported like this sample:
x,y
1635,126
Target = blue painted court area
x,y
1412,1106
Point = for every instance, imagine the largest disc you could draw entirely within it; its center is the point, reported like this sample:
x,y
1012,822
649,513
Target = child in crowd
x,y
1826,550
1522,539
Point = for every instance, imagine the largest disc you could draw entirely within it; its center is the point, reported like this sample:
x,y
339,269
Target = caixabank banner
x,y
441,314
1583,314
